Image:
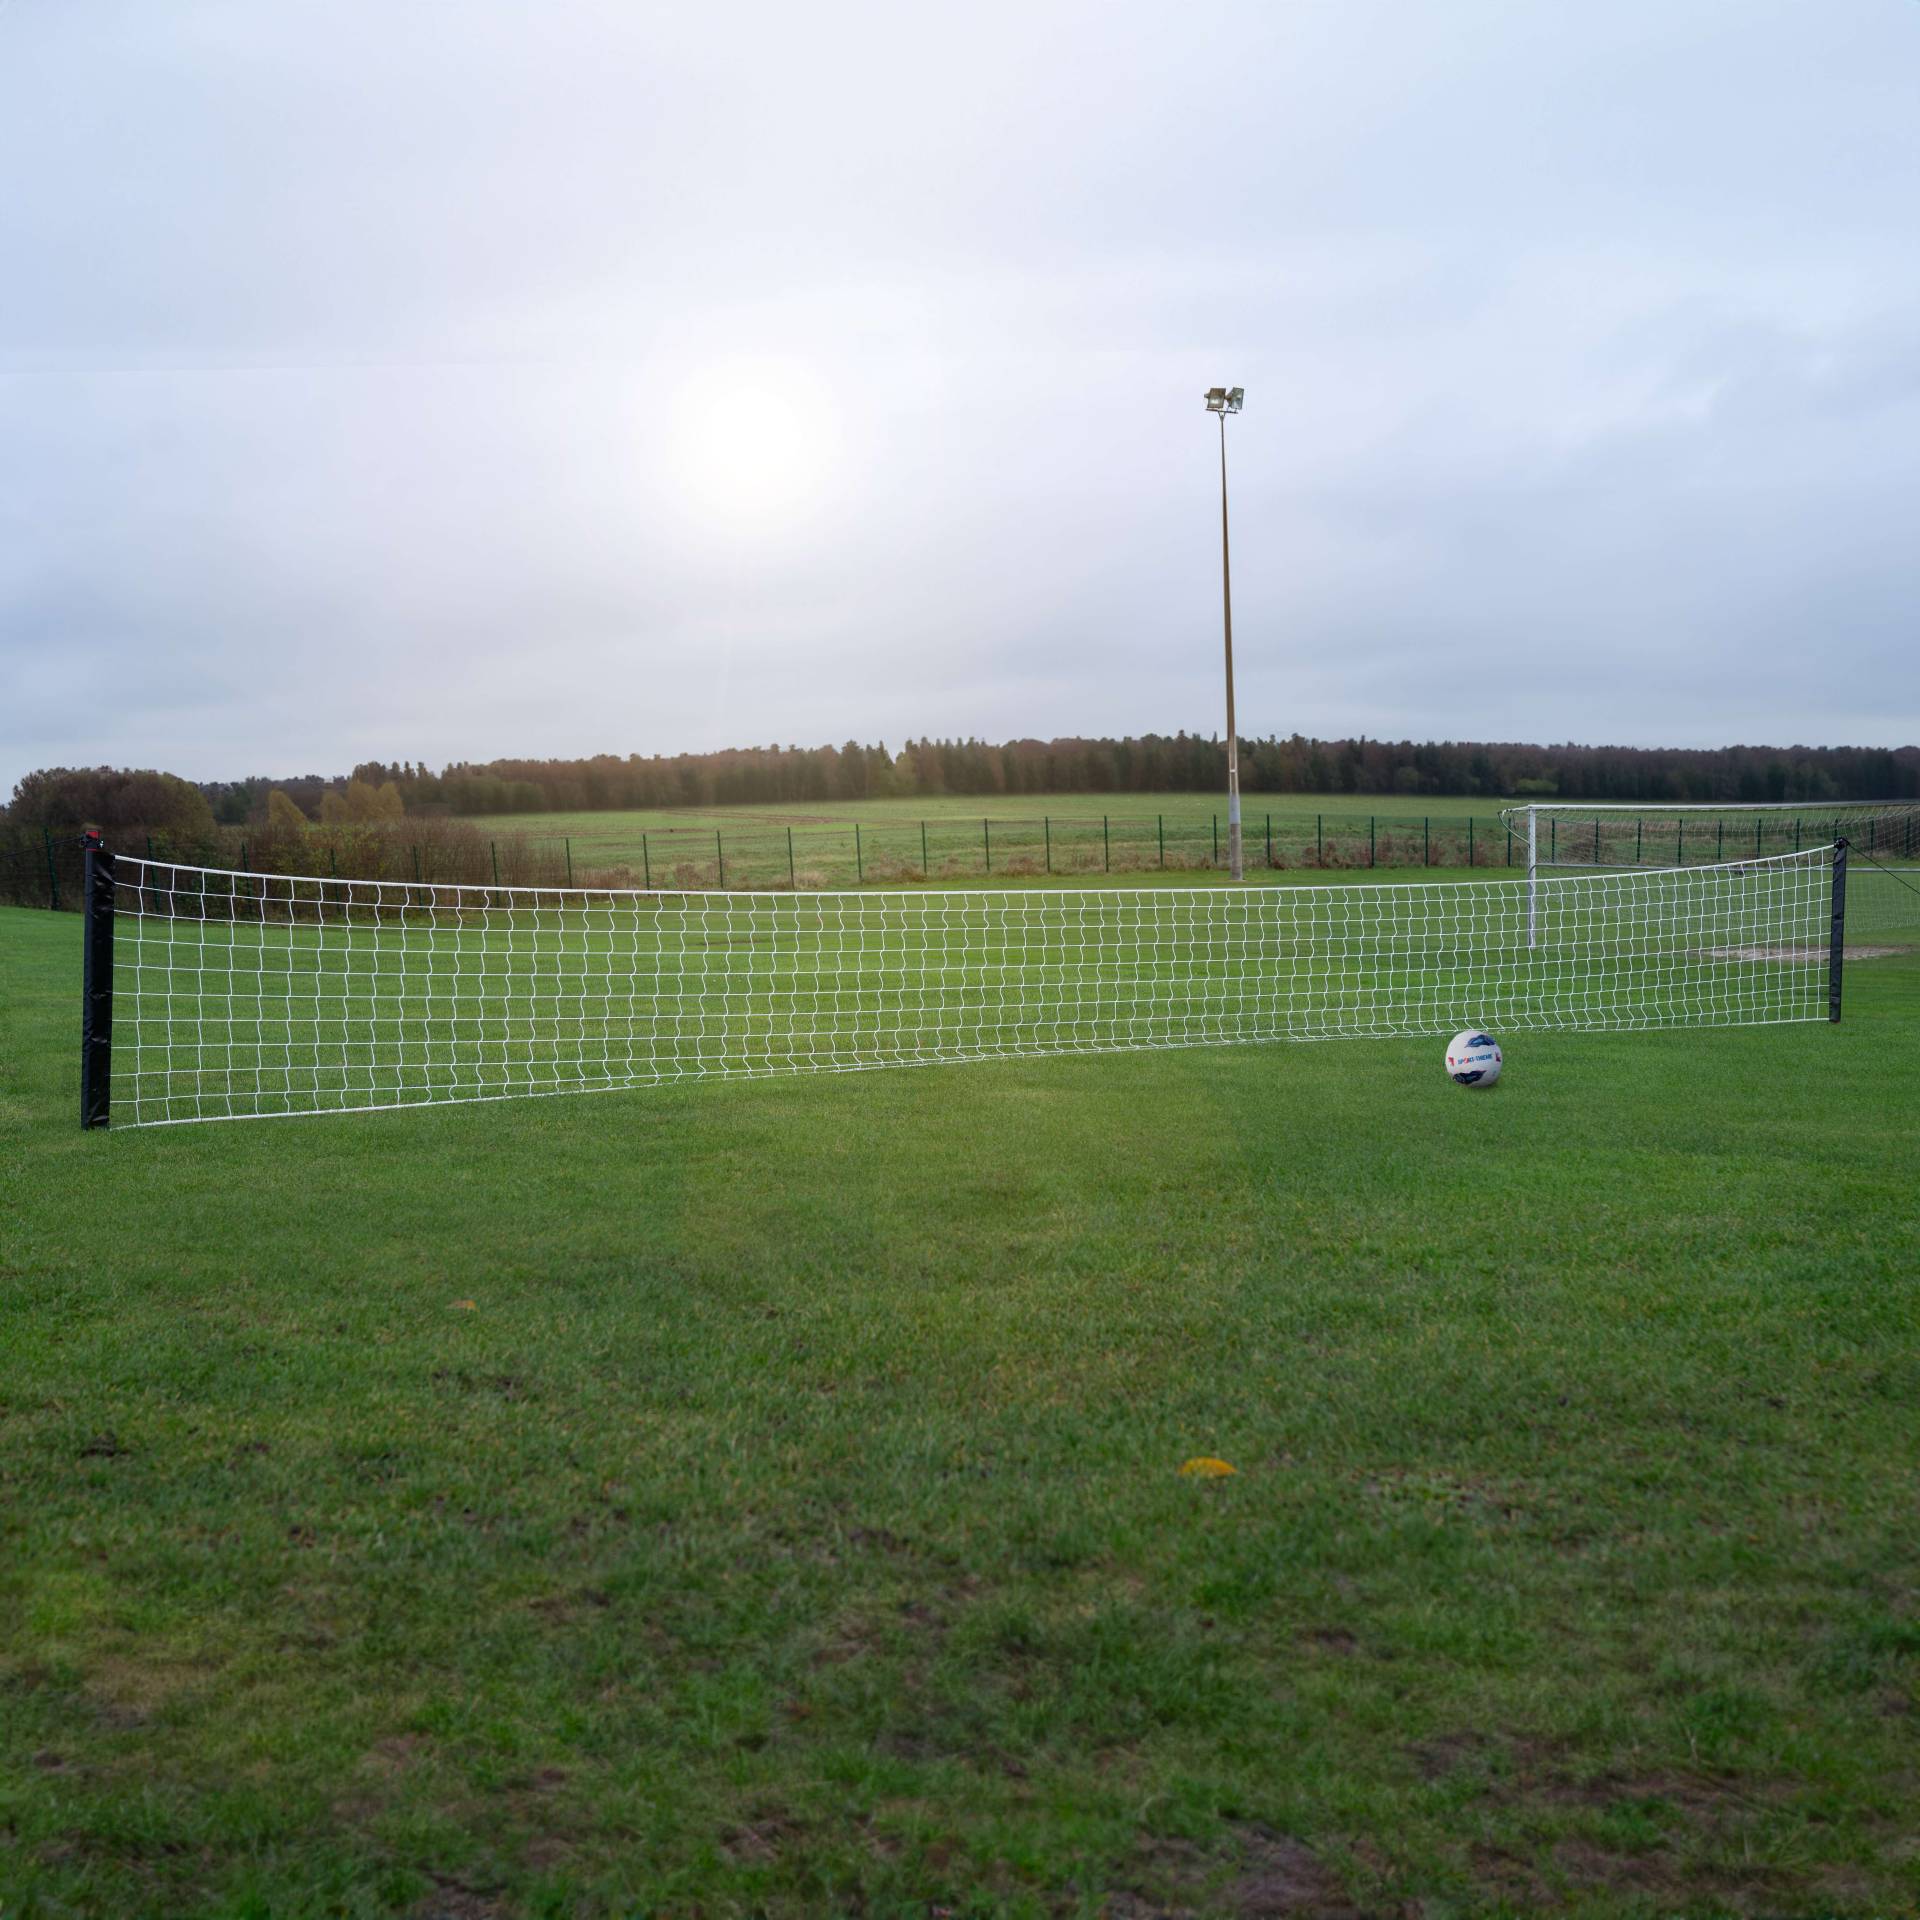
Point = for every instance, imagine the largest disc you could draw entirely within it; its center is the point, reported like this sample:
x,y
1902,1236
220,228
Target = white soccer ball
x,y
1473,1058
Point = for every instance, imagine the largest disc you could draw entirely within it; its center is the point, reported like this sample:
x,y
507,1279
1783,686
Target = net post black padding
x,y
96,984
1837,933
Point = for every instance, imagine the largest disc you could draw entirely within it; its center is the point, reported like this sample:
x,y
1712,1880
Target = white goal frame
x,y
1831,820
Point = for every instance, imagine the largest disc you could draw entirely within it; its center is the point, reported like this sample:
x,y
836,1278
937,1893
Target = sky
x,y
541,377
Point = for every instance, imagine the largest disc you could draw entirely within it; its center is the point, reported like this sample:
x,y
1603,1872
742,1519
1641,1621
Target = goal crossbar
x,y
254,995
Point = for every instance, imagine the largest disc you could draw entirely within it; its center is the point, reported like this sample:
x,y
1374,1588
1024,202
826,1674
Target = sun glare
x,y
758,444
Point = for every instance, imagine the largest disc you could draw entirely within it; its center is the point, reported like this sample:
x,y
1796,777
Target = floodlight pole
x,y
1233,734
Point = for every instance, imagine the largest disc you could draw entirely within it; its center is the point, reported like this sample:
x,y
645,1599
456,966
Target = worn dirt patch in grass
x,y
1536,1782
1449,1753
1803,956
1336,1640
452,1900
570,1605
1281,1876
1261,1874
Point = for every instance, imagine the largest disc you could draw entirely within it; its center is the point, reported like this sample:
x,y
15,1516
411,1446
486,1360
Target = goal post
x,y
255,995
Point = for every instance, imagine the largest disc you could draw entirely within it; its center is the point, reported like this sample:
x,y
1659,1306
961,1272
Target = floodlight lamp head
x,y
1225,399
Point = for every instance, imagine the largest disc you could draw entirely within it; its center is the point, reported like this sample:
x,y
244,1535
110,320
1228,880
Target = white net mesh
x,y
250,995
1883,903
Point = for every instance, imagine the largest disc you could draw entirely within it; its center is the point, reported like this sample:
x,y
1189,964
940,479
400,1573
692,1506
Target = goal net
x,y
247,995
1883,902
1638,833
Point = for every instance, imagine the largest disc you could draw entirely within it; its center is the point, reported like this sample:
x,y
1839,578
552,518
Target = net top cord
x,y
421,892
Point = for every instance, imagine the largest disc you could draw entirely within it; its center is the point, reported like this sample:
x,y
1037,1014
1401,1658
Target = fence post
x,y
926,872
1371,842
1639,827
793,879
859,862
720,858
646,863
1160,820
1426,840
333,861
1106,843
1680,844
1837,933
1319,837
1215,818
1269,839
53,871
493,847
96,983
986,840
566,842
1046,827
1469,843
1719,839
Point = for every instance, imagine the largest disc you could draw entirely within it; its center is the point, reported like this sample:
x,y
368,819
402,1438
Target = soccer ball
x,y
1473,1058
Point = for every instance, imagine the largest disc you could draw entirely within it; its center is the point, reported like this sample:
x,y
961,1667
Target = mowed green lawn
x,y
974,837
765,1497
974,807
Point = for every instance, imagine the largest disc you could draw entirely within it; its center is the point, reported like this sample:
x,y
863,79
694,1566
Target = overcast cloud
x,y
399,380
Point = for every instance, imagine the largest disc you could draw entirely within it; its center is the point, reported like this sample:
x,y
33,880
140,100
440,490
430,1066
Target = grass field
x,y
971,808
765,1497
1022,836
1034,835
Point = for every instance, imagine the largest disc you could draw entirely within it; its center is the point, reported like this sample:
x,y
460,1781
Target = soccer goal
x,y
213,995
1635,833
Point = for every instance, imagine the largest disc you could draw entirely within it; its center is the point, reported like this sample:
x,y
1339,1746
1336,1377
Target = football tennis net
x,y
251,995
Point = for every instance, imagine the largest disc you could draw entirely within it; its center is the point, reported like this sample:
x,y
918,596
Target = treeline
x,y
1152,763
785,776
118,800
